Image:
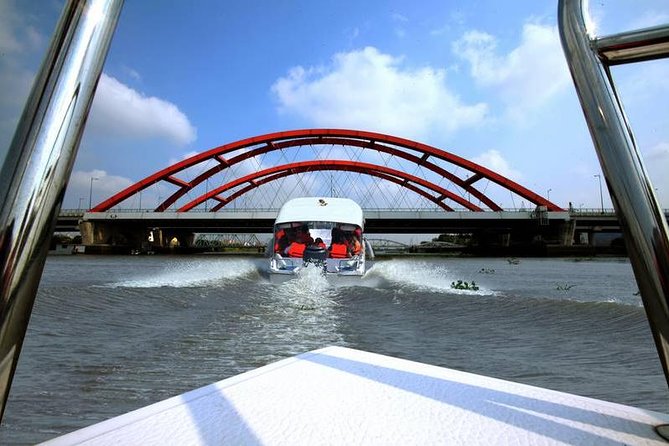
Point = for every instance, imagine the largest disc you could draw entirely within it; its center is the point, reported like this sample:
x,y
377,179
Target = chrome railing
x,y
39,162
641,218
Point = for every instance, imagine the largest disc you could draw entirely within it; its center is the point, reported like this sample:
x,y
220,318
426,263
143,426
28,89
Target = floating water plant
x,y
460,285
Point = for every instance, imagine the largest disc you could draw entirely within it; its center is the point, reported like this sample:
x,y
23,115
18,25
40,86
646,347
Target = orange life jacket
x,y
296,249
338,251
280,234
356,248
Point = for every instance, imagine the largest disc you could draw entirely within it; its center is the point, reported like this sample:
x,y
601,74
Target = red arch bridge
x,y
403,185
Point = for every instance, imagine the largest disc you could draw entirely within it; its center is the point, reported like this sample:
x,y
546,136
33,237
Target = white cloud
x,y
400,21
17,34
400,32
15,84
650,18
659,153
121,111
132,73
397,17
494,161
525,78
369,90
657,163
351,35
19,40
186,155
80,188
643,84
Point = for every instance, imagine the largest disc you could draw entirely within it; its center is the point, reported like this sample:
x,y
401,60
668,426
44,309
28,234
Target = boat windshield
x,y
320,233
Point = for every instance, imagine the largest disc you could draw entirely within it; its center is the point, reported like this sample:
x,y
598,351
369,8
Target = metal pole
x,y
39,162
90,194
601,197
641,218
206,191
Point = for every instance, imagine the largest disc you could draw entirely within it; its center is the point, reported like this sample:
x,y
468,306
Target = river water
x,y
112,334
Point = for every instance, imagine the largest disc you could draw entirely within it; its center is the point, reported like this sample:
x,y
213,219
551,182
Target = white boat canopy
x,y
338,210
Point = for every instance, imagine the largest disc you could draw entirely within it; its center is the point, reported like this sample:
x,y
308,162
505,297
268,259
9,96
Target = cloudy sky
x,y
485,80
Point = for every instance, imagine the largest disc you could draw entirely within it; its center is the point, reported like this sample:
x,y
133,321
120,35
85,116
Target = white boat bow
x,y
338,395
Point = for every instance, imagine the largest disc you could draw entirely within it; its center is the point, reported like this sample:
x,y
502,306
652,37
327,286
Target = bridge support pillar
x,y
190,239
94,233
110,237
567,231
86,229
156,237
585,237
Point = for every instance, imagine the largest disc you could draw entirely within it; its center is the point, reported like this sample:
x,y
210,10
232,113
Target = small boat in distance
x,y
320,232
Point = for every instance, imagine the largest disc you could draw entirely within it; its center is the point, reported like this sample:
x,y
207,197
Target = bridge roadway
x,y
519,224
376,221
504,228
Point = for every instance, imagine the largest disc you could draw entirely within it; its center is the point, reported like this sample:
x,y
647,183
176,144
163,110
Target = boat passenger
x,y
338,248
320,243
295,249
280,241
303,235
356,247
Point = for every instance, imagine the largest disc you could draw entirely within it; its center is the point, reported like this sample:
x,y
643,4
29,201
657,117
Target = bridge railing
x,y
573,211
414,209
592,211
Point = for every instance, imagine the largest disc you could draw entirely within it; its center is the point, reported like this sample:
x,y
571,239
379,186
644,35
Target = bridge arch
x,y
404,179
414,152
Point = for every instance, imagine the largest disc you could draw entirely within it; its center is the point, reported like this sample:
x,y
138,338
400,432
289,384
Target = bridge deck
x,y
377,221
422,221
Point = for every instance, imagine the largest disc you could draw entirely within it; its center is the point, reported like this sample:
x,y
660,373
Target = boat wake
x,y
196,273
309,290
420,275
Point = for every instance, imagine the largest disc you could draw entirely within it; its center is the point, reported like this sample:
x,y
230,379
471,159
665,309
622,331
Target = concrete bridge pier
x,y
103,237
87,230
102,233
492,238
154,237
567,232
583,237
117,236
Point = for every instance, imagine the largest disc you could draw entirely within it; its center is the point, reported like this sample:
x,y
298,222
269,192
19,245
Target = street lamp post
x,y
90,193
601,197
206,191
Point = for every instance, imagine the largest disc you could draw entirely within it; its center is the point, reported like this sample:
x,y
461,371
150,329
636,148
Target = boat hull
x,y
282,269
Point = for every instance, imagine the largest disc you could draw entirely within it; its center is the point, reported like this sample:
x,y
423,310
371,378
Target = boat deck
x,y
338,395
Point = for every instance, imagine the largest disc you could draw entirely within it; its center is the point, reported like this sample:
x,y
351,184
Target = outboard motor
x,y
316,255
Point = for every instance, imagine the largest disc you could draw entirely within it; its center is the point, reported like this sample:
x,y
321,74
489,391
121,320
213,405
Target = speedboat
x,y
319,232
336,395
